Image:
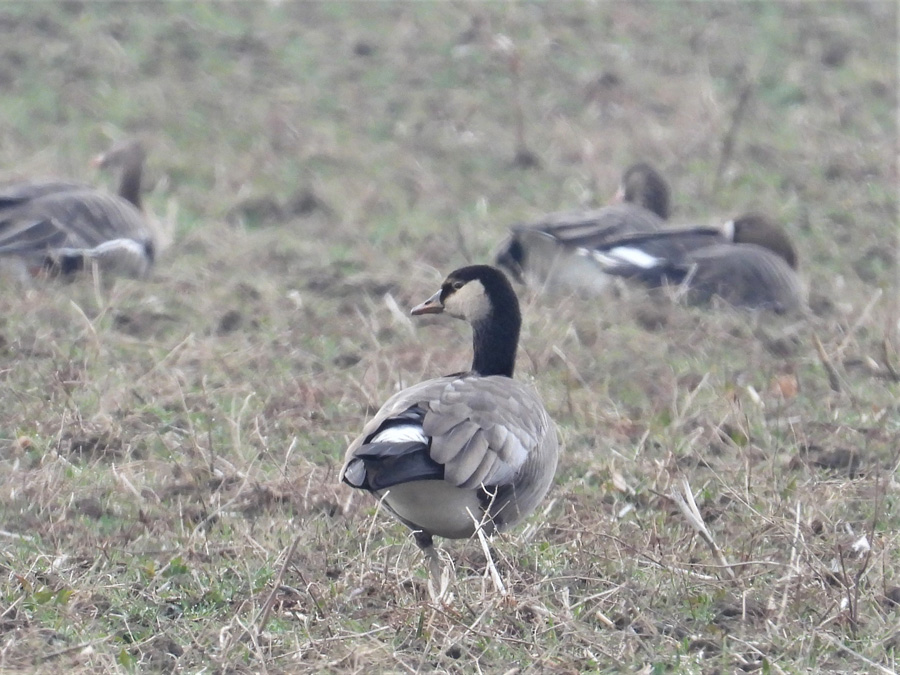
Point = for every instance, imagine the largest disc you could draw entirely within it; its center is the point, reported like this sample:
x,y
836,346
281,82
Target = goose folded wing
x,y
637,266
653,257
16,194
599,226
668,244
474,431
392,448
29,235
483,429
93,217
382,465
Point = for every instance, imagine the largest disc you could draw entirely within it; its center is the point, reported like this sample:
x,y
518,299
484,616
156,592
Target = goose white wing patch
x,y
405,433
623,255
728,230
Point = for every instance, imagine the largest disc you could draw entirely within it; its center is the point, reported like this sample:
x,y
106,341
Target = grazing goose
x,y
97,227
540,253
474,447
750,262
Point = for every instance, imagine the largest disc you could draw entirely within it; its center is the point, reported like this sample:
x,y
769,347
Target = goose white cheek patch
x,y
401,434
470,302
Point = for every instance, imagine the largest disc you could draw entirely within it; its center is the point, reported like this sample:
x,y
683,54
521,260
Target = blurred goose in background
x,y
95,226
750,262
474,449
540,253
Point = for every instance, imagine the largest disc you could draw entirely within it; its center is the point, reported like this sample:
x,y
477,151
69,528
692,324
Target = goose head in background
x,y
644,186
759,229
473,450
128,157
541,253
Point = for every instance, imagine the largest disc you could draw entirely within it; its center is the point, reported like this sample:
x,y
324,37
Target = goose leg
x,y
426,542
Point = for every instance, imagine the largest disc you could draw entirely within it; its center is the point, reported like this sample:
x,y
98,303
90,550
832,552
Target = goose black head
x,y
482,296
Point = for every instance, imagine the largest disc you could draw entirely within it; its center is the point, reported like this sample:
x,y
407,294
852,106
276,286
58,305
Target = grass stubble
x,y
726,497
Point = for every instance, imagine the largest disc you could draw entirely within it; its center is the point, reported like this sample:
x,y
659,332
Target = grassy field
x,y
163,443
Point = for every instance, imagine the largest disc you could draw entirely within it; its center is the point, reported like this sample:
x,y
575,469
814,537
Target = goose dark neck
x,y
645,187
130,185
495,340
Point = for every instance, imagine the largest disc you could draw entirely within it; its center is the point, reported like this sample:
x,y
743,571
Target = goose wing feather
x,y
90,216
651,254
596,226
483,430
18,193
23,237
670,244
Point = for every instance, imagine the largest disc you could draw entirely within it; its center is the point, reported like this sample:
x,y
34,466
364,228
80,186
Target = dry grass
x,y
163,445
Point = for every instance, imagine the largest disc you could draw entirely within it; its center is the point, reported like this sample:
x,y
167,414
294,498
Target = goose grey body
x,y
486,447
748,263
94,225
743,275
457,452
542,253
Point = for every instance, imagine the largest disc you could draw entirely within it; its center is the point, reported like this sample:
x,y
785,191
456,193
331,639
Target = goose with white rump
x,y
540,254
471,450
95,227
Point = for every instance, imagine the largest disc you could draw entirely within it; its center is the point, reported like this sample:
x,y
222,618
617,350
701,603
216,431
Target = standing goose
x,y
465,449
97,227
750,262
541,253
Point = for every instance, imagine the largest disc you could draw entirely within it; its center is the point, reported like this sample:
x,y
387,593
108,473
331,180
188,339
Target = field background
x,y
314,165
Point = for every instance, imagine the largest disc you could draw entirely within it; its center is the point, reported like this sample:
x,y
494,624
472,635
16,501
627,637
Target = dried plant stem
x,y
270,600
863,315
869,662
793,569
834,380
491,567
43,658
524,156
888,362
728,141
685,501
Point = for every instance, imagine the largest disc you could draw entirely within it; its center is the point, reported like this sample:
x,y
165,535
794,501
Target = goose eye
x,y
456,285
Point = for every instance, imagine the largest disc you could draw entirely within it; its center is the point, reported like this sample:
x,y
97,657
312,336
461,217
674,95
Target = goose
x,y
474,449
750,262
97,227
540,253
